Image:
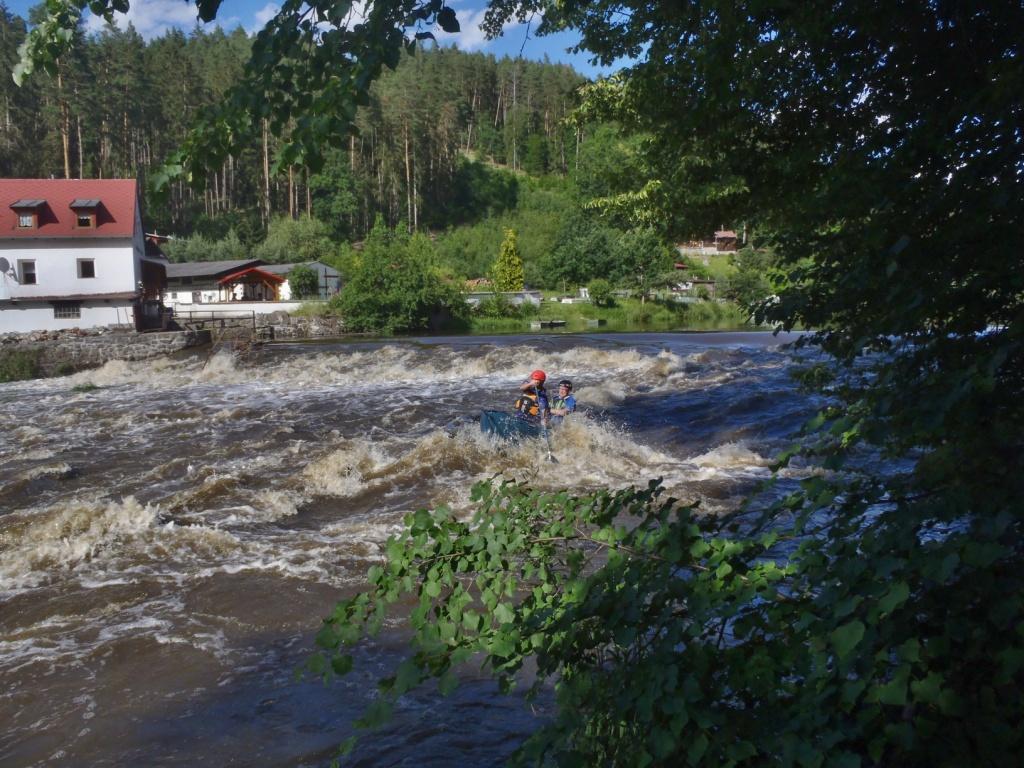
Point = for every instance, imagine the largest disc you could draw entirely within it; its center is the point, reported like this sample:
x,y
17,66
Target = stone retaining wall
x,y
60,352
282,326
285,326
66,351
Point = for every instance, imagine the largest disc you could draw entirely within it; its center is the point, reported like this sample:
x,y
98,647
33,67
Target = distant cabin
x,y
725,240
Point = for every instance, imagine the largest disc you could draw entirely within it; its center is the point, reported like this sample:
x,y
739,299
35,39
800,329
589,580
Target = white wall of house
x,y
234,309
474,298
191,295
25,317
58,265
194,296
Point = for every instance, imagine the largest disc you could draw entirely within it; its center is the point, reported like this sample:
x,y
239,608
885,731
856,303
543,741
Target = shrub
x,y
19,364
304,282
601,293
397,287
498,305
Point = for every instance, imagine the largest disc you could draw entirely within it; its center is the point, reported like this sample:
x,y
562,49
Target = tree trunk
x,y
81,153
408,179
265,208
65,124
291,192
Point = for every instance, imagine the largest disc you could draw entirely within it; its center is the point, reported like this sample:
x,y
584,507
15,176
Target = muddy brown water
x,y
170,539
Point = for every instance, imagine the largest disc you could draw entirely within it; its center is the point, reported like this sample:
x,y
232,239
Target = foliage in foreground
x,y
684,639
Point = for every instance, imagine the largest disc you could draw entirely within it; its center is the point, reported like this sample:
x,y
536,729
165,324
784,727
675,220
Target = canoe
x,y
507,426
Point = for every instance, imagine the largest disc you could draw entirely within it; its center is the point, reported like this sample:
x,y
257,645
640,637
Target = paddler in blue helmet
x,y
564,402
532,404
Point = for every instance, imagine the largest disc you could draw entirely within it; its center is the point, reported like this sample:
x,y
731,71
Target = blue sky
x,y
153,18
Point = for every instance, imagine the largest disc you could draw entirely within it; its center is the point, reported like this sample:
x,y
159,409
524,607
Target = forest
x,y
119,105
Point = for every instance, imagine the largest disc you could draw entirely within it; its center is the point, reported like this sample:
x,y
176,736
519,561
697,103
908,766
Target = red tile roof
x,y
115,215
268,276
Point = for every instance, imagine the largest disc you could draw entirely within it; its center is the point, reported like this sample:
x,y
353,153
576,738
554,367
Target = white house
x,y
73,255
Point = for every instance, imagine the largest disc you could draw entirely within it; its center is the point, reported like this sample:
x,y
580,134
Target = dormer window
x,y
85,213
28,212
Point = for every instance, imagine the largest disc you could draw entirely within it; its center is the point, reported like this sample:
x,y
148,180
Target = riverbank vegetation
x,y
859,619
623,314
19,365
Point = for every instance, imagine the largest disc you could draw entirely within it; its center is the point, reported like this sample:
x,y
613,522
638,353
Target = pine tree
x,y
508,269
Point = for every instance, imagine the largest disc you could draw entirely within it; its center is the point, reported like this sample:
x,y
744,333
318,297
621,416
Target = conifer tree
x,y
508,269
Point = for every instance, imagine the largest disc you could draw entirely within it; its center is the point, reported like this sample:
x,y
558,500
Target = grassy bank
x,y
626,315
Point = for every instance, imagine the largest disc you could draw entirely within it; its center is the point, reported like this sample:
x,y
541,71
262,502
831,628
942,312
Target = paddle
x,y
547,440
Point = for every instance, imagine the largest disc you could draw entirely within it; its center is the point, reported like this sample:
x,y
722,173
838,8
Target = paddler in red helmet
x,y
532,404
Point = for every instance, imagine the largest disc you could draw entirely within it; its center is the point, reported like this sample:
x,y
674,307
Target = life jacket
x,y
529,404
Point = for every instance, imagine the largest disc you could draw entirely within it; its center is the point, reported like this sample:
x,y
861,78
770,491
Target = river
x,y
171,532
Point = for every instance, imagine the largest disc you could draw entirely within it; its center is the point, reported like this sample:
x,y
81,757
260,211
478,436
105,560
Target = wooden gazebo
x,y
252,284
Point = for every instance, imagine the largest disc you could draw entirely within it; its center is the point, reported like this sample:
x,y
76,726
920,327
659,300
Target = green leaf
x,y
342,665
929,690
982,554
346,747
698,746
447,683
378,713
447,20
846,638
208,9
893,692
407,677
896,596
844,760
432,587
504,613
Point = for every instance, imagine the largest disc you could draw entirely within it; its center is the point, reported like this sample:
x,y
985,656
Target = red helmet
x,y
539,375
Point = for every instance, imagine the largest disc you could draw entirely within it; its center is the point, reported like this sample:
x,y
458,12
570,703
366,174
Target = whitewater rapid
x,y
172,531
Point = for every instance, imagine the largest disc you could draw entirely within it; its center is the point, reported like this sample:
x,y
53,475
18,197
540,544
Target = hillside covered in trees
x,y
120,105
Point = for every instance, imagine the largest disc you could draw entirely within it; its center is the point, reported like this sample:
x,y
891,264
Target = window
x,y
67,310
87,268
27,272
84,220
26,220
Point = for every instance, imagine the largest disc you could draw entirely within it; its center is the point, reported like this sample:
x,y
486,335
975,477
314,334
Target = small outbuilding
x,y
251,284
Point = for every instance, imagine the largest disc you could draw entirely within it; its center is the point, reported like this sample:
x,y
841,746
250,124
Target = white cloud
x,y
262,16
470,36
151,18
